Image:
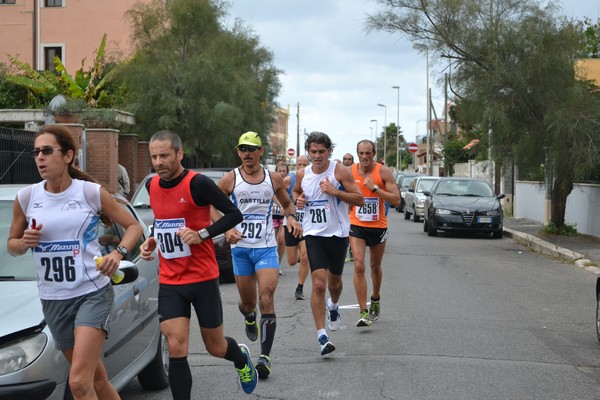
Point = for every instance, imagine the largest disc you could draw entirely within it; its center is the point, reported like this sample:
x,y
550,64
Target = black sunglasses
x,y
251,149
44,150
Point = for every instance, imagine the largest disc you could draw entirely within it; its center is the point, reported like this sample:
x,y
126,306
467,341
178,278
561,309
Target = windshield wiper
x,y
7,278
472,195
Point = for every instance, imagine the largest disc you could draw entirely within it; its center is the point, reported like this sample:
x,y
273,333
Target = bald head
x,y
348,160
301,162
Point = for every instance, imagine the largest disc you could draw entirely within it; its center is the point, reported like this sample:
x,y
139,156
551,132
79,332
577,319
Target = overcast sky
x,y
338,73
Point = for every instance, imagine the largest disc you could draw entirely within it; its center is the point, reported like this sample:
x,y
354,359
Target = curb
x,y
541,246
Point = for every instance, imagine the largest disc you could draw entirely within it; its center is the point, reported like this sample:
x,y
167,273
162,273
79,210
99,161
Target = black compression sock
x,y
180,378
234,353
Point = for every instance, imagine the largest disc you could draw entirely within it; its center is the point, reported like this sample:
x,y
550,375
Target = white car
x,y
32,368
414,199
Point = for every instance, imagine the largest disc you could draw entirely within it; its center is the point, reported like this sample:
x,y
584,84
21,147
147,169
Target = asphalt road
x,y
462,318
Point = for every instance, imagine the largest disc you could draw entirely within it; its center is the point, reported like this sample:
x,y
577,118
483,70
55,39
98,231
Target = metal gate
x,y
16,163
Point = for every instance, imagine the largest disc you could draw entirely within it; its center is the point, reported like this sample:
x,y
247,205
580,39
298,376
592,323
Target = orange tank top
x,y
175,208
372,214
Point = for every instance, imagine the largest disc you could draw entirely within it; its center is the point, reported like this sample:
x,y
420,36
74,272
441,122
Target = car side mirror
x,y
411,190
130,270
427,193
501,196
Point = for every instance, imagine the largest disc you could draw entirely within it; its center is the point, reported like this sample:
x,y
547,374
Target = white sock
x,y
321,332
331,305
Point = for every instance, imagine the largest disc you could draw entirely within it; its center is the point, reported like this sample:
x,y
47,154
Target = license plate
x,y
484,220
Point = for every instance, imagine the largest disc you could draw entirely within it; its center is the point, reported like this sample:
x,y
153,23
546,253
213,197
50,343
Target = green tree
x,y
513,62
12,96
191,75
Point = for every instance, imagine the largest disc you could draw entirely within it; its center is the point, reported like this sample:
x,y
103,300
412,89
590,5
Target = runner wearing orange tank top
x,y
369,226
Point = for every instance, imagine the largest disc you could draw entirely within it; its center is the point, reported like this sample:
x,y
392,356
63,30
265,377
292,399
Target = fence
x,y
16,164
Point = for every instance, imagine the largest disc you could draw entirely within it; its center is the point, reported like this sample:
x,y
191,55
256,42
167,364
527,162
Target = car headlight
x,y
493,213
421,202
16,355
442,211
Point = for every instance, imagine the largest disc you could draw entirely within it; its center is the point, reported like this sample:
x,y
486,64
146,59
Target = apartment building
x,y
35,31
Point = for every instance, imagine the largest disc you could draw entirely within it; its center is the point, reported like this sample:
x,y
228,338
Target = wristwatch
x,y
293,215
123,251
203,233
375,188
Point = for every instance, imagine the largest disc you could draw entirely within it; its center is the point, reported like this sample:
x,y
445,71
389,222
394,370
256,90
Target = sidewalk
x,y
582,250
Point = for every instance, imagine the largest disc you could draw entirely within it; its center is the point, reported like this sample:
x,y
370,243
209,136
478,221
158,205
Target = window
x,y
49,54
7,1
53,3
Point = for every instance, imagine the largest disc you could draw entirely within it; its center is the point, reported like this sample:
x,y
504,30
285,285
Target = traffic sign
x,y
413,147
291,152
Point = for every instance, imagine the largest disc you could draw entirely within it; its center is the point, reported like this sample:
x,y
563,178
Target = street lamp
x,y
374,120
384,130
371,128
398,152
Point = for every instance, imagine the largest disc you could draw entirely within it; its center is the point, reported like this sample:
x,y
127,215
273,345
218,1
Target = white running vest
x,y
64,258
324,215
255,201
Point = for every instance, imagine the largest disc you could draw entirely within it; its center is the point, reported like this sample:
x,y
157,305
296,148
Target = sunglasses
x,y
44,150
250,149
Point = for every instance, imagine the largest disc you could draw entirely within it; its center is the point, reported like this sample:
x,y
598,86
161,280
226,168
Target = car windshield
x,y
407,180
12,268
464,188
425,184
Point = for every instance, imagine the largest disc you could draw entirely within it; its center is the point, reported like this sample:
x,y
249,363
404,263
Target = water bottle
x,y
117,277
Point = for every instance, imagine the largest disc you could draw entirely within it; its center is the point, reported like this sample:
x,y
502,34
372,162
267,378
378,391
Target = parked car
x,y
403,183
463,205
141,202
414,199
30,365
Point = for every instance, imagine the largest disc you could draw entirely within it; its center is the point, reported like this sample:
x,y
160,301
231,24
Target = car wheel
x,y
156,374
497,234
425,225
431,229
598,315
415,217
406,213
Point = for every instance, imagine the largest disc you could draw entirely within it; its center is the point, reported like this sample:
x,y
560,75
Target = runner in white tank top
x,y
325,214
254,245
255,201
57,219
324,190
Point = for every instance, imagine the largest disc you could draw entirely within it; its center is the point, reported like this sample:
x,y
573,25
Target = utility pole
x,y
298,131
398,152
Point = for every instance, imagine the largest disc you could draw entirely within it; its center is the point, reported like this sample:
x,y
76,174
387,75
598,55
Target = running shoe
x,y
326,346
299,294
247,374
263,366
252,327
374,310
364,319
334,319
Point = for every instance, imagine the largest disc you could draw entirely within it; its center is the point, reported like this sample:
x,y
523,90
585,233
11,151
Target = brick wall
x,y
103,156
144,164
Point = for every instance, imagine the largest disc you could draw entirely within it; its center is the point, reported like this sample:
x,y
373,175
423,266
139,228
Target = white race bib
x,y
169,243
253,228
319,212
370,211
58,261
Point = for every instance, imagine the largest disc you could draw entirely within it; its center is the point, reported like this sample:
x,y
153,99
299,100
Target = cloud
x,y
338,73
